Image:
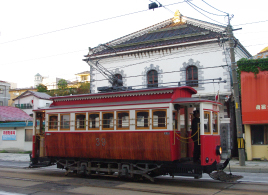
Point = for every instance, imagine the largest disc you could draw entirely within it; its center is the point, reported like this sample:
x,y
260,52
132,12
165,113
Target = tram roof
x,y
129,92
193,100
133,97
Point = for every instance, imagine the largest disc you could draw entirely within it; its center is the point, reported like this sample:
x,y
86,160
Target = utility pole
x,y
240,140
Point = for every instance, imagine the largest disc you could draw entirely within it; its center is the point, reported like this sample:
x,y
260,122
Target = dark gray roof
x,y
40,95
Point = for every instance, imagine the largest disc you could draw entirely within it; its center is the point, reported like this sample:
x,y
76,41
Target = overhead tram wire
x,y
67,28
176,71
214,7
190,4
159,58
204,10
250,23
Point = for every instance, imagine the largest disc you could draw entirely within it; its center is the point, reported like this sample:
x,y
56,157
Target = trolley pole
x,y
240,140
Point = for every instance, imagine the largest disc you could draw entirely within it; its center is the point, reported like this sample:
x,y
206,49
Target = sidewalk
x,y
251,166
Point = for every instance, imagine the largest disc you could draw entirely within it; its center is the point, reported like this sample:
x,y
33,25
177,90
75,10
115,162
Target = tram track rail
x,y
57,183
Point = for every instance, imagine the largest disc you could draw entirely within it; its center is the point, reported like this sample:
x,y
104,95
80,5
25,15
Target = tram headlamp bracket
x,y
218,150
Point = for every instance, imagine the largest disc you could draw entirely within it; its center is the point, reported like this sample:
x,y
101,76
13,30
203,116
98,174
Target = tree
x,y
41,88
83,88
62,84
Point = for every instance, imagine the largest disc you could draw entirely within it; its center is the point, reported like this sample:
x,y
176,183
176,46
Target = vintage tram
x,y
133,133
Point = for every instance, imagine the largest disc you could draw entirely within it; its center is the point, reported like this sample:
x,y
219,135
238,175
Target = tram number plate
x,y
166,133
100,141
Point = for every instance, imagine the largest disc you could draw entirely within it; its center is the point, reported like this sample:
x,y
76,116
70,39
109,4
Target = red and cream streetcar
x,y
135,133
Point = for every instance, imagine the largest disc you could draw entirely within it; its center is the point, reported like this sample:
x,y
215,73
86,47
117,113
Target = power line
x,y
67,28
250,23
214,7
204,10
175,71
159,58
43,57
202,13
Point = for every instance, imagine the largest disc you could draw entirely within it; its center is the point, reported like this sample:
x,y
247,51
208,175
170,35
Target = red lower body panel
x,y
208,149
152,146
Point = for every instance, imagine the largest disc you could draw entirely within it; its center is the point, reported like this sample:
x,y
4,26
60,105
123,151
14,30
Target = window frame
x,y
30,140
136,119
102,120
117,120
154,78
215,132
254,129
156,110
64,129
209,122
96,128
57,121
119,76
75,122
192,82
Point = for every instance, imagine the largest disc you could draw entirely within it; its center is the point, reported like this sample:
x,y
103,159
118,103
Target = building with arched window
x,y
179,51
192,76
152,79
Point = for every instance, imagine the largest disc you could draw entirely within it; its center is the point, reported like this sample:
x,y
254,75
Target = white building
x,y
30,100
16,129
177,51
4,93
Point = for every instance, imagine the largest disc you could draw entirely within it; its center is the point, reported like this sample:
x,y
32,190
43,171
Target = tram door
x,y
38,142
183,130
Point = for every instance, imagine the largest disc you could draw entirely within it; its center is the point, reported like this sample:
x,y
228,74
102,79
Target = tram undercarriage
x,y
136,170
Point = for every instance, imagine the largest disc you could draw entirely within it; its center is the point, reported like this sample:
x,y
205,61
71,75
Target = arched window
x,y
152,79
119,76
192,76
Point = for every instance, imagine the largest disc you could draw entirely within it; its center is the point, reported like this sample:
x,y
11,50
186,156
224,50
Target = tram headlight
x,y
218,150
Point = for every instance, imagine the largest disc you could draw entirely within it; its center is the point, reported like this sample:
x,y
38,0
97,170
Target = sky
x,y
51,37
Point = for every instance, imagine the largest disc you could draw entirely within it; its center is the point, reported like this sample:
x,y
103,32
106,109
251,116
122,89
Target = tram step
x,y
222,176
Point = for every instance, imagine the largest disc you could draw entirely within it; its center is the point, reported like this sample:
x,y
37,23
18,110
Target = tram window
x,y
122,120
159,119
142,119
80,121
108,121
175,120
65,122
94,121
207,122
215,122
53,122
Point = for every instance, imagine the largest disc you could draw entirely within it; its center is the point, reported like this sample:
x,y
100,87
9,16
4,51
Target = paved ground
x,y
250,167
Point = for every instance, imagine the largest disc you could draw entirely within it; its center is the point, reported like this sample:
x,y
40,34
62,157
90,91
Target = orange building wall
x,y
254,97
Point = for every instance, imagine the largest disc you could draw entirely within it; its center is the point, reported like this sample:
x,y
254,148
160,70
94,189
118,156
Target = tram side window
x,y
93,121
159,119
142,119
175,120
65,122
122,121
53,122
215,122
80,121
108,121
207,122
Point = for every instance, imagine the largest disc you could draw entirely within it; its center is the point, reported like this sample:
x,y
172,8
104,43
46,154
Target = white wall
x,y
20,144
36,103
209,55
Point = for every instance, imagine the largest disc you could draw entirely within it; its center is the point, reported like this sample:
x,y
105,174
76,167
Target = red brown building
x,y
254,96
